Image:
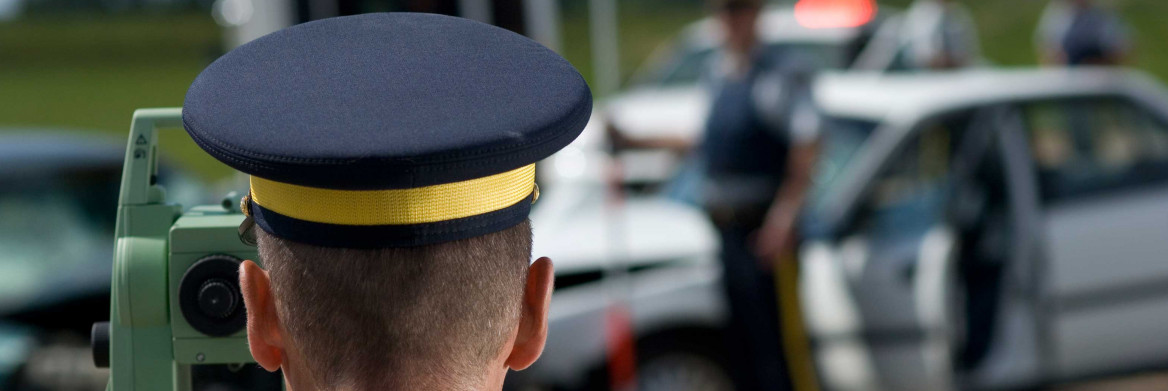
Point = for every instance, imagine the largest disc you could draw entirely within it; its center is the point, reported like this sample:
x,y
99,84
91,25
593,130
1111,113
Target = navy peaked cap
x,y
391,129
389,100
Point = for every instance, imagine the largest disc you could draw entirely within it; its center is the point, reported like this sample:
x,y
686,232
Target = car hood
x,y
659,111
582,229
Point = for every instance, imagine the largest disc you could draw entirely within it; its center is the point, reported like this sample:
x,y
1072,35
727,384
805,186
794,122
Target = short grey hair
x,y
375,317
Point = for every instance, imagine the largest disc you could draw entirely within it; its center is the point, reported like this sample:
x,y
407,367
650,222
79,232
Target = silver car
x,y
988,229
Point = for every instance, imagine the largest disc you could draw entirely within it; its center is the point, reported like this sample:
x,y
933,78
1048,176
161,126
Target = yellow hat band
x,y
427,204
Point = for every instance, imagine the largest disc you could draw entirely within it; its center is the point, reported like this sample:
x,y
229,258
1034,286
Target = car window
x,y
54,222
1088,146
687,65
687,69
908,196
843,138
813,55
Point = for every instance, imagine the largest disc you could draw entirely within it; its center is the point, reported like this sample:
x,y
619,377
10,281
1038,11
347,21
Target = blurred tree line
x,y
74,6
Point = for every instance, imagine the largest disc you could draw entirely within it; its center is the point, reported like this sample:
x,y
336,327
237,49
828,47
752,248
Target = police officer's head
x,y
739,20
392,162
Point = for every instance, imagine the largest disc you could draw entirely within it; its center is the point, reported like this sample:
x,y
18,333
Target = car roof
x,y
777,23
878,96
22,150
906,98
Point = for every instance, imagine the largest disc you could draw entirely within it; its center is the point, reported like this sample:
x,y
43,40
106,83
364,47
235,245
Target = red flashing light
x,y
819,14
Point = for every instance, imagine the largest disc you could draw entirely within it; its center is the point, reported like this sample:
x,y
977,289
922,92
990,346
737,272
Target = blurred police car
x,y
58,198
988,229
983,229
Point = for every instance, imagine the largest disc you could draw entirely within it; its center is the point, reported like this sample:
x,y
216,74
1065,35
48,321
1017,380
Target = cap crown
x,y
383,101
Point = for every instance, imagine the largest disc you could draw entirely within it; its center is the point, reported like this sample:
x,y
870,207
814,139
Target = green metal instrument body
x,y
152,346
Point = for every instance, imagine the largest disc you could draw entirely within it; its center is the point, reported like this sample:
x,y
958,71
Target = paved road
x,y
1151,382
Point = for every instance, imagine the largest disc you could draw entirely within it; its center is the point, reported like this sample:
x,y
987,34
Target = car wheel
x,y
683,362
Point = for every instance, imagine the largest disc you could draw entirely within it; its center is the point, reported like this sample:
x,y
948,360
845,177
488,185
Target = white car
x,y
983,229
988,229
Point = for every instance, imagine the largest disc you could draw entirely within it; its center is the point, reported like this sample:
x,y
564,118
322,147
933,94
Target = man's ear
x,y
264,335
533,323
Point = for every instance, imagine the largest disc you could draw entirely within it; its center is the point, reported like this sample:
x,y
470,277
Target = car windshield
x,y
53,225
686,66
843,139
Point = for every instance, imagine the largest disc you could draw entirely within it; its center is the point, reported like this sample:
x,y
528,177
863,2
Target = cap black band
x,y
380,236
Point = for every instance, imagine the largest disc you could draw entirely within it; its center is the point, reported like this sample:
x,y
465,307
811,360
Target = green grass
x,y
89,72
643,26
1007,30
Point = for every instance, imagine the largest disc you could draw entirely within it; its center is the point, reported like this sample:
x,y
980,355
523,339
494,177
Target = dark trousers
x,y
755,342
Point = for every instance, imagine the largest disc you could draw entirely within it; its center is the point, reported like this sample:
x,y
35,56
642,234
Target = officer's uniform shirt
x,y
755,118
1081,34
932,30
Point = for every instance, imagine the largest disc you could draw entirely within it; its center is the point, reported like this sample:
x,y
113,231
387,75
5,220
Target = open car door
x,y
880,286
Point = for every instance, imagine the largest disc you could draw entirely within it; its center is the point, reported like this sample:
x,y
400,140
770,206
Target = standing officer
x,y
1081,32
758,149
392,170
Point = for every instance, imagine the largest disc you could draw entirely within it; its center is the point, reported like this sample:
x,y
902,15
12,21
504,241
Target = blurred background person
x,y
940,34
1081,32
759,144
